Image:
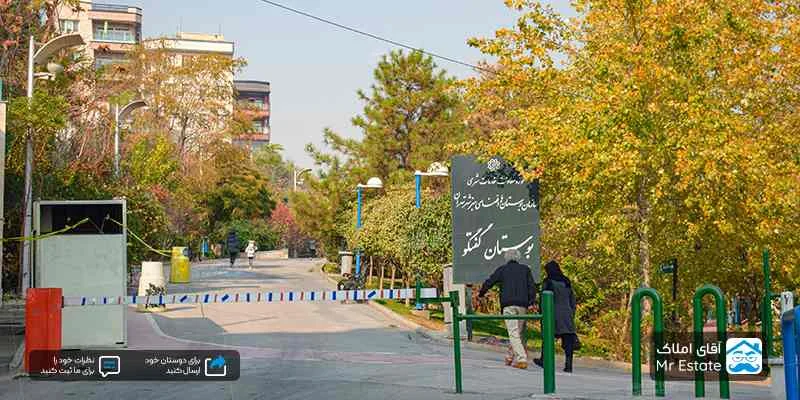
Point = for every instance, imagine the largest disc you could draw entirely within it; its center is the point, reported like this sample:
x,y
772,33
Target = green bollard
x,y
548,342
456,339
418,293
636,337
697,303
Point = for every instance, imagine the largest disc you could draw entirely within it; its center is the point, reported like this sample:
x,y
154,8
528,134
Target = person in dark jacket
x,y
564,302
233,246
517,293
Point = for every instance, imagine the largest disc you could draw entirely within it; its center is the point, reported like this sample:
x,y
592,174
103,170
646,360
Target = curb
x,y
328,277
396,317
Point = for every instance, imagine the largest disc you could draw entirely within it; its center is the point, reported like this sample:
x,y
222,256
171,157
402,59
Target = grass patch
x,y
479,328
485,329
399,307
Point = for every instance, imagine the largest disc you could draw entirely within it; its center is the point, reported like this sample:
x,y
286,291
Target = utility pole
x,y
25,271
2,180
45,52
116,141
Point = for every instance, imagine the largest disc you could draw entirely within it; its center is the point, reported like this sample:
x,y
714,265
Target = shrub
x,y
258,230
331,268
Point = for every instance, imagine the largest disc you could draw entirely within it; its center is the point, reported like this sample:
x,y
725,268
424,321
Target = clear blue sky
x,y
315,69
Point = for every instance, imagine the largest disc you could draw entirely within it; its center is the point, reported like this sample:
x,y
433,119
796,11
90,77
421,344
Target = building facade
x,y
110,30
186,45
252,97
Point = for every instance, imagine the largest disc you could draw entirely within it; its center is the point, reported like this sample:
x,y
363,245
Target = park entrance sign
x,y
494,209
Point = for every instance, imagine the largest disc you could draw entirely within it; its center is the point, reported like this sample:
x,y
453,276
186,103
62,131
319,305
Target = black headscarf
x,y
554,272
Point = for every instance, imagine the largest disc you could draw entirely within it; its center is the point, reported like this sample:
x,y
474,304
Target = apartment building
x,y
253,98
186,45
110,30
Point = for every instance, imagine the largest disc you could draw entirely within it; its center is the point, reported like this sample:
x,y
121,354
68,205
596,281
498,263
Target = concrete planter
x,y
777,378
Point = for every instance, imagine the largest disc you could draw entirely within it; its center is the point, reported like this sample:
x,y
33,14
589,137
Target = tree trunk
x,y
380,281
391,283
643,237
643,248
369,273
407,282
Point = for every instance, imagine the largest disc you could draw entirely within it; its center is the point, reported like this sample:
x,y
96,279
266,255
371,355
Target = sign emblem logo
x,y
743,356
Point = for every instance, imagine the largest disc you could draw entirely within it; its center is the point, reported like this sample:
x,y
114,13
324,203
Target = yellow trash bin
x,y
179,271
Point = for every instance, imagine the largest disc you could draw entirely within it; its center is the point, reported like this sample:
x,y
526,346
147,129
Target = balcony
x,y
112,7
256,114
115,12
100,62
111,47
117,36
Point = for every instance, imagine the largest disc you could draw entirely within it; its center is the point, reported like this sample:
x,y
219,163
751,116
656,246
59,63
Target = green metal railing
x,y
721,315
548,335
636,337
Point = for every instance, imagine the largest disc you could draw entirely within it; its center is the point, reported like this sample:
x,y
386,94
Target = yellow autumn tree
x,y
658,130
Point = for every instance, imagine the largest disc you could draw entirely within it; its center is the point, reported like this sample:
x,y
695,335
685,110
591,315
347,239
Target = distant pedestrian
x,y
204,249
564,304
517,293
233,246
250,250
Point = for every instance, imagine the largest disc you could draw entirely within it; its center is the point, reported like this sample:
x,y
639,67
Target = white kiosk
x,y
89,260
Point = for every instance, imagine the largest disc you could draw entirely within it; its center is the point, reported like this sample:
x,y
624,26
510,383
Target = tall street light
x,y
372,183
435,169
296,175
2,179
120,114
37,58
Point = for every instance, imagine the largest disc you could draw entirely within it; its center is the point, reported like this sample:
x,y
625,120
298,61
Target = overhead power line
x,y
373,36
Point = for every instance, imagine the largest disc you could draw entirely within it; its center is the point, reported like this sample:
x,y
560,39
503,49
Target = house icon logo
x,y
743,356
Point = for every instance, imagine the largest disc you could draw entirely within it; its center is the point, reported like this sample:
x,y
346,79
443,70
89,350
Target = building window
x,y
258,127
257,102
106,32
68,25
103,60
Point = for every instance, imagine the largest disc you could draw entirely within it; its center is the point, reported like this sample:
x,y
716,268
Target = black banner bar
x,y
135,365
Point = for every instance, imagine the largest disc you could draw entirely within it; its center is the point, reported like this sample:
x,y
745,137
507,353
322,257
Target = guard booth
x,y
89,260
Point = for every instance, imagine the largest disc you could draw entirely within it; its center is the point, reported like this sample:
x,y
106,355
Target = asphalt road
x,y
324,350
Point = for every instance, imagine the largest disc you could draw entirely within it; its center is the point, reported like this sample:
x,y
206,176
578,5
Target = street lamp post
x,y
372,183
2,179
37,58
435,169
121,114
296,175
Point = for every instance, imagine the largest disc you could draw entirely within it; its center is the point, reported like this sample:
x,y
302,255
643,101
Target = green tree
x,y
322,209
411,114
191,101
41,118
241,192
269,161
416,241
658,130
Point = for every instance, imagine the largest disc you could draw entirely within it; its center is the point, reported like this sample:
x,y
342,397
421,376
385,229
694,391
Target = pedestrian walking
x,y
517,293
564,302
204,249
250,250
233,246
